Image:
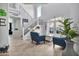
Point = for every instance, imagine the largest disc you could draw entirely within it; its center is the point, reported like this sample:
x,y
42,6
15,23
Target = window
x,y
55,24
39,11
51,27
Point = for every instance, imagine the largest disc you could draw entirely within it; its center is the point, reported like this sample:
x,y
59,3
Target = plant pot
x,y
76,48
76,44
69,51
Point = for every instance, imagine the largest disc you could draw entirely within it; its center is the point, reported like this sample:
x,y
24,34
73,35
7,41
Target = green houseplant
x,y
67,30
70,34
3,12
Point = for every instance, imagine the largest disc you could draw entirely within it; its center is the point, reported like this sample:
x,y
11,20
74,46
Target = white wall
x,y
55,9
4,36
75,15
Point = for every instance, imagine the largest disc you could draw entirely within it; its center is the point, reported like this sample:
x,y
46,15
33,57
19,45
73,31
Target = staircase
x,y
30,27
32,23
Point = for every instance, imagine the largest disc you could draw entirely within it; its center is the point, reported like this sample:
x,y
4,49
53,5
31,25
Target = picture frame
x,y
2,22
25,20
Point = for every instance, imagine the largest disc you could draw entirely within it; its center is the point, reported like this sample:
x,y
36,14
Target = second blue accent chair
x,y
35,37
59,41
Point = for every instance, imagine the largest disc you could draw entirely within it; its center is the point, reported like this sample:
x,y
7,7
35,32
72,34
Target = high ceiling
x,y
35,4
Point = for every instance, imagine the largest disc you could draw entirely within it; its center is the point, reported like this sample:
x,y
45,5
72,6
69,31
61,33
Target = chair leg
x,y
32,41
53,45
44,42
37,43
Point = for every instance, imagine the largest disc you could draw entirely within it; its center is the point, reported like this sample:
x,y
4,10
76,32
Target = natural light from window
x,y
39,11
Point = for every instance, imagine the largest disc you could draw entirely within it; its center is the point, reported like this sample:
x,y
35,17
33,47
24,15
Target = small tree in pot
x,y
67,30
69,33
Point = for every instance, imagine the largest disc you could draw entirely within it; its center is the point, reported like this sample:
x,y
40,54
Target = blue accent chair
x,y
35,37
59,41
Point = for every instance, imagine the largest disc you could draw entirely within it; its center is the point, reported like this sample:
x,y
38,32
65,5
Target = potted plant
x,y
67,30
69,33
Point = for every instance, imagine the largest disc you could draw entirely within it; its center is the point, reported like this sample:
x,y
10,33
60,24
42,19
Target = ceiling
x,y
35,4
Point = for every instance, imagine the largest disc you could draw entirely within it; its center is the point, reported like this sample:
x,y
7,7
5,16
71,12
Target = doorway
x,y
15,26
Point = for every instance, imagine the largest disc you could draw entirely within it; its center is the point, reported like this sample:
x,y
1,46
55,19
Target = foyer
x,y
20,19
